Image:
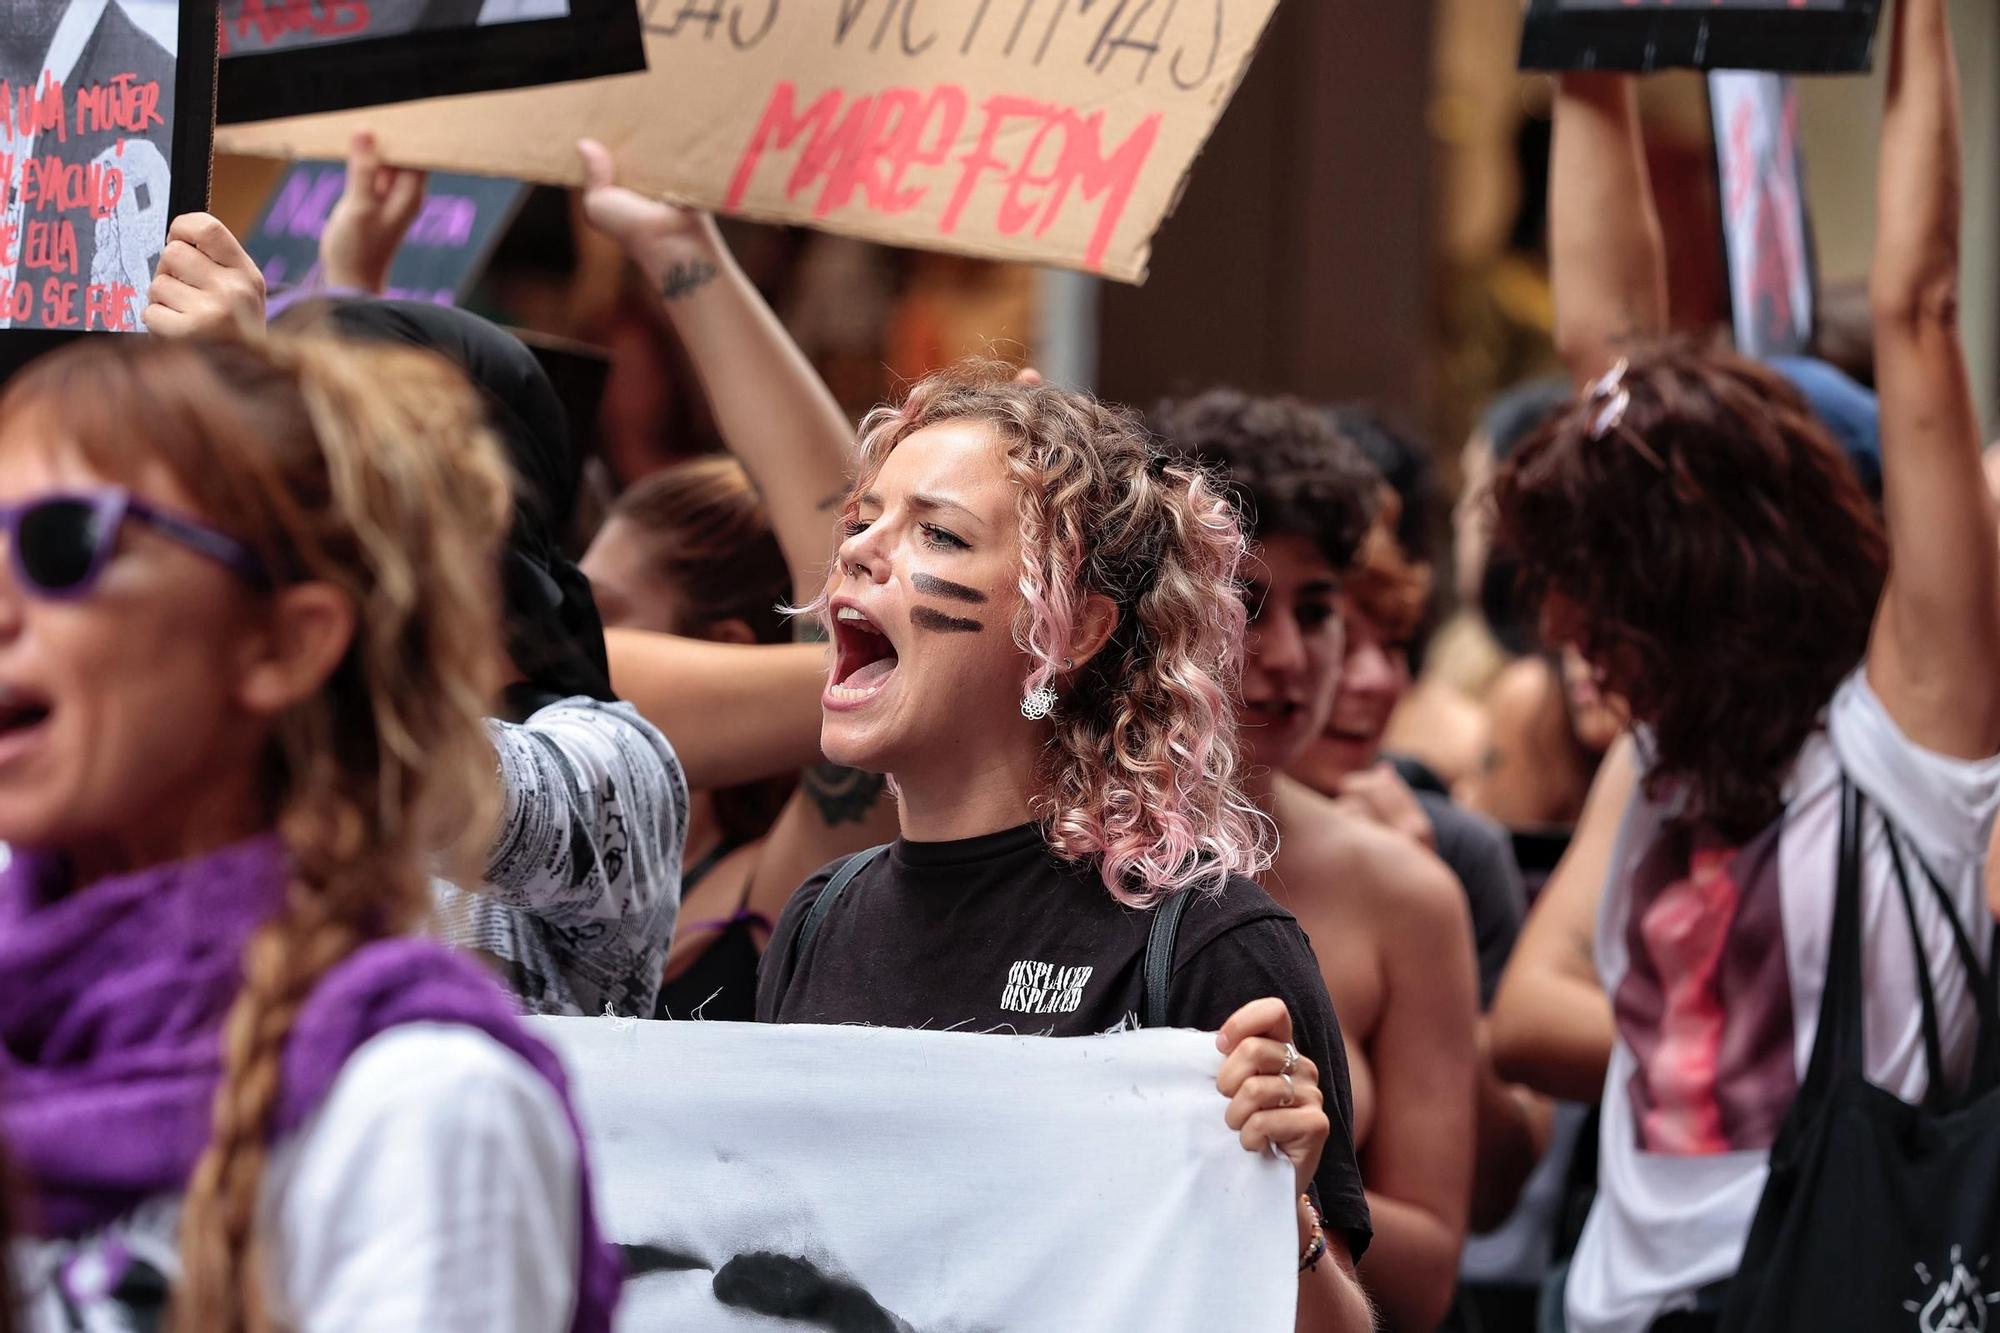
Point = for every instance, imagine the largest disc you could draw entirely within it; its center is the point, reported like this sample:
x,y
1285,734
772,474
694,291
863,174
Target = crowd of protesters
x,y
1526,984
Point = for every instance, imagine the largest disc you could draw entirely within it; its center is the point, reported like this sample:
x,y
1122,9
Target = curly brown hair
x,y
1388,586
1715,559
1286,468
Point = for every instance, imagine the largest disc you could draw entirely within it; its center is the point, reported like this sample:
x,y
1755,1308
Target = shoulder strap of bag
x,y
1978,980
1837,1044
828,896
1159,964
1937,1095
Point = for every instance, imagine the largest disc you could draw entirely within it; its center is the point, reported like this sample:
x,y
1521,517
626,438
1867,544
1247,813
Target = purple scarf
x,y
112,999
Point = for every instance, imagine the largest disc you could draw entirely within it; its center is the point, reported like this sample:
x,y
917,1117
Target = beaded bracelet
x,y
1316,1247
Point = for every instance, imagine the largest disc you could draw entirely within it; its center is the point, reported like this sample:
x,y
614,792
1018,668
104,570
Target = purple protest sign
x,y
442,258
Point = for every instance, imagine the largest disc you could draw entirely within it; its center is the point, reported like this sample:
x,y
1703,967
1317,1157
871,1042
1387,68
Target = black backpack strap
x,y
828,896
1937,1095
1159,963
1837,1046
1978,980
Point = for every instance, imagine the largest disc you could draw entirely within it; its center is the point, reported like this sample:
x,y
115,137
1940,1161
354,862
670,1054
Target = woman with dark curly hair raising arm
x,y
1699,537
1037,627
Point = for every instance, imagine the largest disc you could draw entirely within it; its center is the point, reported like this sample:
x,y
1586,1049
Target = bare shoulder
x,y
1364,868
1521,695
1445,729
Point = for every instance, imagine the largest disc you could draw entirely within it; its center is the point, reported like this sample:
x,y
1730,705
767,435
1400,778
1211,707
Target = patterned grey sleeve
x,y
596,810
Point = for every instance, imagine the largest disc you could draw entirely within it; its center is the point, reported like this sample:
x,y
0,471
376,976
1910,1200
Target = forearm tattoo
x,y
686,279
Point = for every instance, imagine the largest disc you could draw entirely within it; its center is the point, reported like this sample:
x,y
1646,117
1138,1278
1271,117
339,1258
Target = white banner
x,y
875,1180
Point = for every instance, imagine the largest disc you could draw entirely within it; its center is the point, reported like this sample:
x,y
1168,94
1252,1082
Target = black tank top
x,y
721,985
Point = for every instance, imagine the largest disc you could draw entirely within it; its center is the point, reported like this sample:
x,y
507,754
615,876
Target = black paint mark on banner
x,y
784,1287
645,1260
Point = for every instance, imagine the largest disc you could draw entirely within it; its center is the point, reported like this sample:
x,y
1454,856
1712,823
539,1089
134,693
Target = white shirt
x,y
1716,1020
437,1190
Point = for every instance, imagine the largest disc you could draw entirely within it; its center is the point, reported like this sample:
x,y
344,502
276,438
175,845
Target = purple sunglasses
x,y
58,544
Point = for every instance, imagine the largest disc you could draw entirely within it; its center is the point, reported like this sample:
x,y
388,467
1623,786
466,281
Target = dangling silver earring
x,y
1039,703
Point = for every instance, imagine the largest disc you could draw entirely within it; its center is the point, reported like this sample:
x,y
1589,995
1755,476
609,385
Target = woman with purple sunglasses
x,y
246,640
59,543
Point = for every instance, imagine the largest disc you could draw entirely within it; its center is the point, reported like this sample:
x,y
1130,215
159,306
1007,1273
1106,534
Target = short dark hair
x,y
1405,463
1288,471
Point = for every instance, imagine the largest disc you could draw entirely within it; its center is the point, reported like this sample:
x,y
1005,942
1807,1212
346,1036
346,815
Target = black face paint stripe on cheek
x,y
925,618
937,587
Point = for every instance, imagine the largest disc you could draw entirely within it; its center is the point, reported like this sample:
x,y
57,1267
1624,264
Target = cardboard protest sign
x,y
1011,129
104,136
441,259
296,57
896,1180
1795,36
1764,224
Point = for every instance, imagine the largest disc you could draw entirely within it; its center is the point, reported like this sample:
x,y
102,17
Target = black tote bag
x,y
1879,1216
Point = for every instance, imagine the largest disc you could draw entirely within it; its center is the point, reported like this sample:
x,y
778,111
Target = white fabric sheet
x,y
962,1182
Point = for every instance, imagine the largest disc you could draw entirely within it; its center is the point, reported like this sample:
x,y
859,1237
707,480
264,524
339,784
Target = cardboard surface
x,y
1041,130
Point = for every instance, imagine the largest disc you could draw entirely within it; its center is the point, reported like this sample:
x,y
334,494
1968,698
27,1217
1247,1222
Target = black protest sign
x,y
105,135
441,259
1790,36
302,57
1765,230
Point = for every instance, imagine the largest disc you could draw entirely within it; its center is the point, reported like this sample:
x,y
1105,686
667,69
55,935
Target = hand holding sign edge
x,y
656,234
372,216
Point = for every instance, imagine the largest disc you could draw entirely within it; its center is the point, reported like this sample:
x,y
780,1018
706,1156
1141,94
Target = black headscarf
x,y
553,628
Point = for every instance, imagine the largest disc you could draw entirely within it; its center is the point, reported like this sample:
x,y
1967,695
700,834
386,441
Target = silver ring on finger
x,y
1291,1091
1291,1060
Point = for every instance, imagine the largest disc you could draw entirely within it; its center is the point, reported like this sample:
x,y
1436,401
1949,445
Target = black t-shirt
x,y
1480,853
995,934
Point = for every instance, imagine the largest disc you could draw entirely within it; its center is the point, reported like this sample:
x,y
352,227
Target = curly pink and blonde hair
x,y
1140,773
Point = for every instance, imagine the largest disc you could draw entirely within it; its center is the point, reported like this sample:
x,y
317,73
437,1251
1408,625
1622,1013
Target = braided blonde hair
x,y
369,469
